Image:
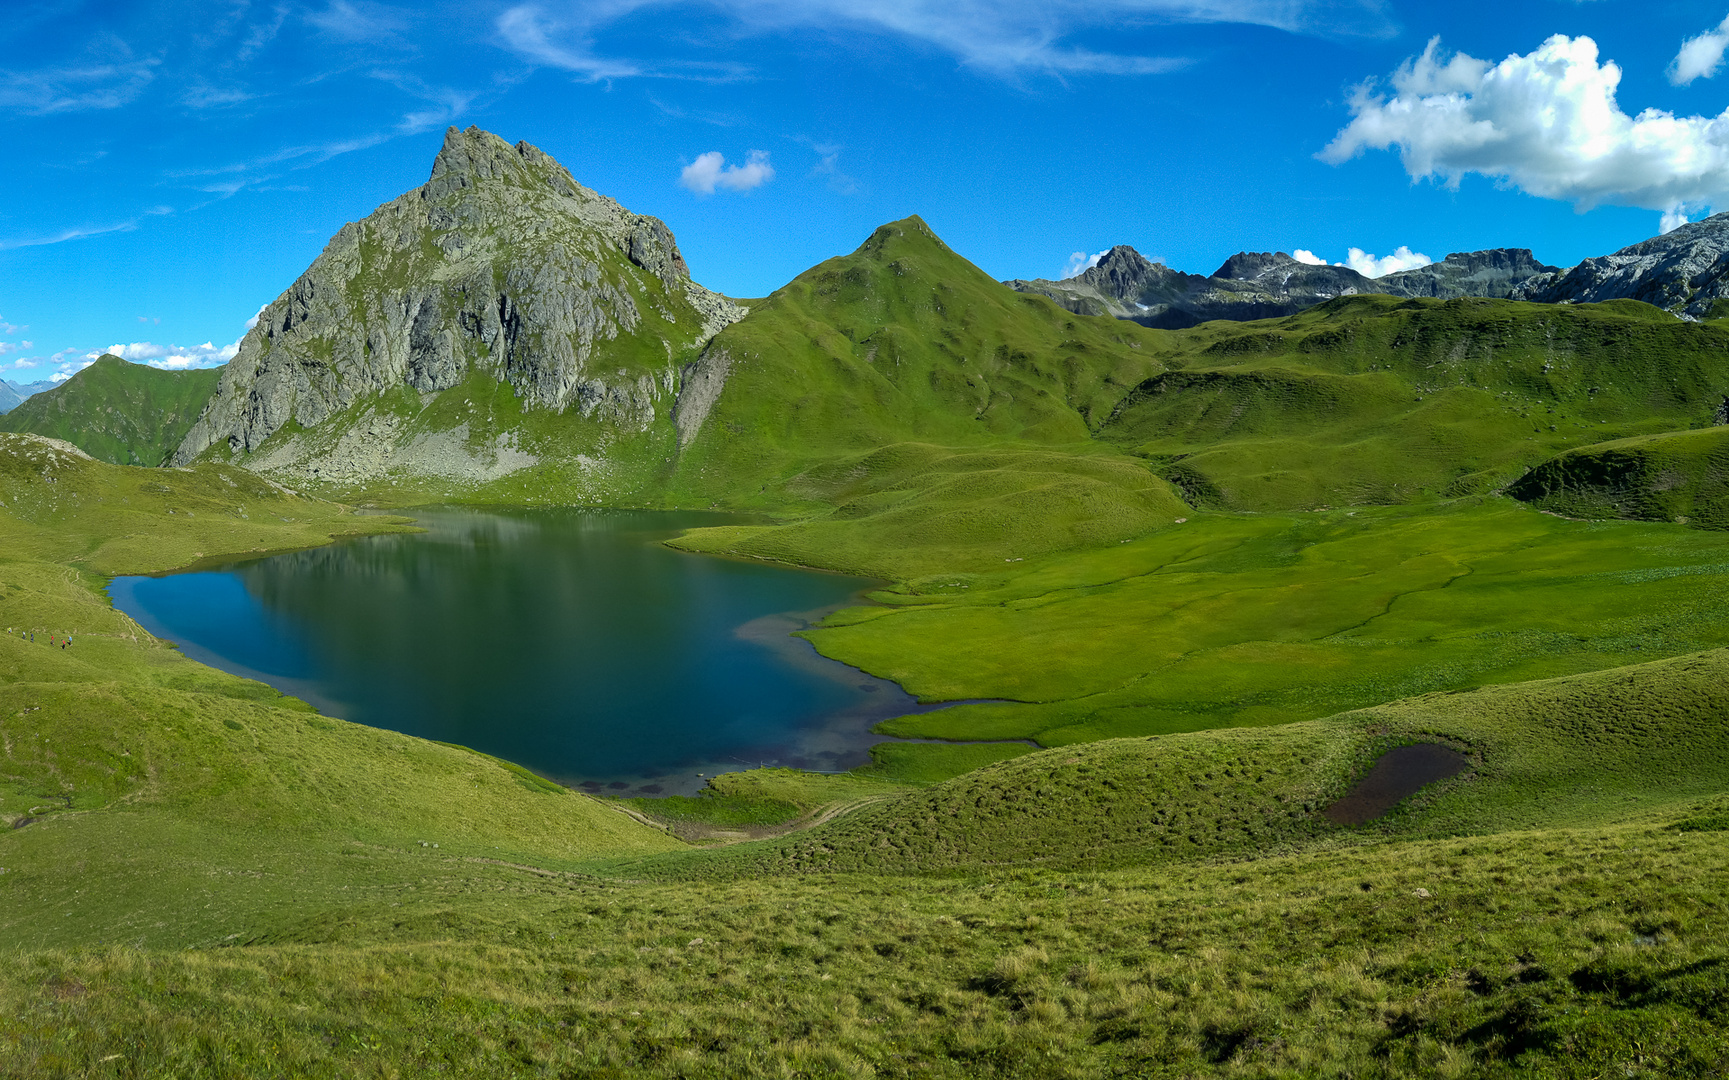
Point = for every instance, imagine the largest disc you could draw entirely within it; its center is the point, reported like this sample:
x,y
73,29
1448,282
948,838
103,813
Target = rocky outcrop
x,y
1250,285
1499,273
1266,285
500,264
699,389
1685,272
1126,284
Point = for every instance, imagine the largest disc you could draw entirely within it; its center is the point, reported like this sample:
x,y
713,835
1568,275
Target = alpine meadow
x,y
1317,674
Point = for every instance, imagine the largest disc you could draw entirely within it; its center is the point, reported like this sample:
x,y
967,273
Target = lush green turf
x,y
212,880
1585,749
123,762
1561,953
1232,620
117,411
1680,476
902,341
1371,399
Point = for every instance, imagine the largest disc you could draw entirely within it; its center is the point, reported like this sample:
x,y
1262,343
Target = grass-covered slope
x,y
1581,750
924,415
123,763
1247,620
119,412
1591,946
1680,476
1370,399
905,341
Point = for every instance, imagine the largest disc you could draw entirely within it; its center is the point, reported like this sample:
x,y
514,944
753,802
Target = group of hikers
x,y
30,635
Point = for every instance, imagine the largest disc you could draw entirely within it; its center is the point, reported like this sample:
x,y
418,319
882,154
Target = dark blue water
x,y
567,641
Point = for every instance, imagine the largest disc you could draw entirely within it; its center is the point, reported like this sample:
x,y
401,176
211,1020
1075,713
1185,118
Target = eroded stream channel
x,y
567,641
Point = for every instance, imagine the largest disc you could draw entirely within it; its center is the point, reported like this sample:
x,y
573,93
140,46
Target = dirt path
x,y
706,835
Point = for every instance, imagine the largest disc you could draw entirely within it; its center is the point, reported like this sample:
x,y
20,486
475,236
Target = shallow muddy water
x,y
568,641
1396,775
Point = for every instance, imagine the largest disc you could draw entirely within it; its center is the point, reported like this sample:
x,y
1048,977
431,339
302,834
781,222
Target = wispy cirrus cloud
x,y
443,104
67,234
361,21
999,36
75,88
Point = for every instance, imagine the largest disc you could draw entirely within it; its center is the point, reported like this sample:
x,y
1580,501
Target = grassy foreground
x,y
1563,953
206,879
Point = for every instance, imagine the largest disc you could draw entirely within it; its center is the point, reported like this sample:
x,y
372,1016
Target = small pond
x,y
568,641
1396,775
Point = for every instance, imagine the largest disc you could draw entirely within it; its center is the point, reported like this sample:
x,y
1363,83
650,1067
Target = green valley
x,y
1185,589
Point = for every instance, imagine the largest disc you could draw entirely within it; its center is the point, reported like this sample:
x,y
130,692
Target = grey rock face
x,y
500,263
699,389
1249,285
1499,273
1266,285
1685,271
1125,284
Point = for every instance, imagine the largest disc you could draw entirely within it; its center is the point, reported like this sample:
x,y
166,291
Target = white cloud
x,y
9,328
250,323
1672,219
1547,123
1701,56
59,376
1305,256
1080,262
710,171
172,357
996,35
1374,266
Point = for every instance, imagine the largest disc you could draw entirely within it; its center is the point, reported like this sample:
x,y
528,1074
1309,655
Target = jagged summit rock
x,y
1685,271
1498,272
1123,283
1250,285
1271,284
500,266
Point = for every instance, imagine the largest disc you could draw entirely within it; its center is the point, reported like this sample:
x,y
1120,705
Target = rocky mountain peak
x,y
1685,271
501,264
1255,265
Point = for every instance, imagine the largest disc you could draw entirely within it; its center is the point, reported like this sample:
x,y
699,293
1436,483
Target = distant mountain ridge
x,y
1268,285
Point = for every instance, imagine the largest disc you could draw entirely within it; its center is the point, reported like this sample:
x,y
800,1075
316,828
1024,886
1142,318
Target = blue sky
x,y
172,166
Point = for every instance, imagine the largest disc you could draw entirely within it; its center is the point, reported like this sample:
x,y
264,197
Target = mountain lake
x,y
568,641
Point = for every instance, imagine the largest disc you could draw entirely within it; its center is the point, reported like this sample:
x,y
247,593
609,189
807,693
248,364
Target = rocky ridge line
x,y
502,264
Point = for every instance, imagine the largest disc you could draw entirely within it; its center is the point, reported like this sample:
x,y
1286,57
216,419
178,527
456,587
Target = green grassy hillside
x,y
122,760
1576,751
1679,476
1094,536
903,341
1255,619
119,412
1370,399
1495,948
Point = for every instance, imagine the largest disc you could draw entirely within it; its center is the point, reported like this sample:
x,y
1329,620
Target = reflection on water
x,y
567,641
